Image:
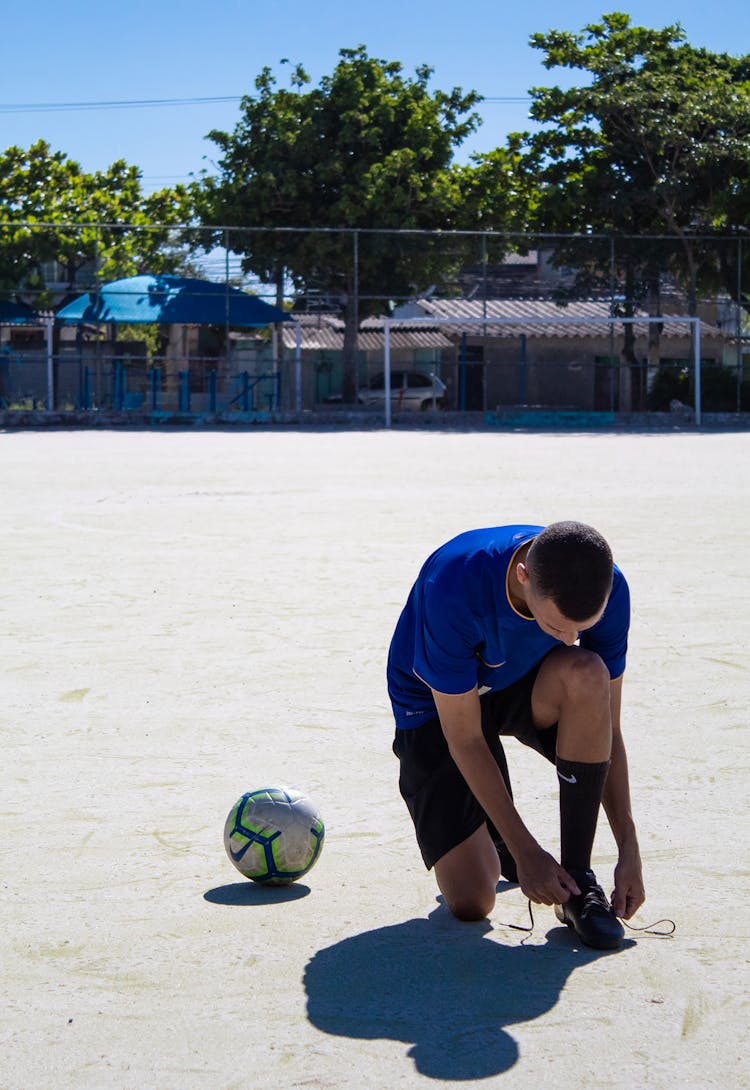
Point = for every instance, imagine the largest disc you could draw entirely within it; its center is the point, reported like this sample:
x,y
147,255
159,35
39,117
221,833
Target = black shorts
x,y
442,807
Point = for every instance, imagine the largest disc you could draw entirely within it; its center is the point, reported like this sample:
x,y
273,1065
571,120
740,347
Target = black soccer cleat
x,y
590,914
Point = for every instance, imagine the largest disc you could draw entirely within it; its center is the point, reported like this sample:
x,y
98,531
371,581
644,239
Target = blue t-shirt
x,y
459,629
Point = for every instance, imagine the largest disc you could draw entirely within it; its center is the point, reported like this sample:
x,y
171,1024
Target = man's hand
x,y
628,894
543,880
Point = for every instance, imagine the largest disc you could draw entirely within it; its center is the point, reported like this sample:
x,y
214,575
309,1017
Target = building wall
x,y
576,373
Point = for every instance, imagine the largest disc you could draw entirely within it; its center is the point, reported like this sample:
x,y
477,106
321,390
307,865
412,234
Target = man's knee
x,y
583,676
470,907
467,876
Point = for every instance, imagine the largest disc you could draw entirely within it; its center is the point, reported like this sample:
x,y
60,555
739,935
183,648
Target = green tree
x,y
498,197
499,189
367,149
53,210
657,142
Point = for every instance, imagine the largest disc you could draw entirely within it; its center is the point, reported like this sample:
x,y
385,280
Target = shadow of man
x,y
449,988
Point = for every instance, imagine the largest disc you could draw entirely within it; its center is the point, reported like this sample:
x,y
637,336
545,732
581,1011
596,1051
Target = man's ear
x,y
522,574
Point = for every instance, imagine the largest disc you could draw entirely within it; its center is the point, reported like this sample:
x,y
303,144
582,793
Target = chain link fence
x,y
340,284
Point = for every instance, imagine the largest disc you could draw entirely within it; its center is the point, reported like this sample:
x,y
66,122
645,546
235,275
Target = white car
x,y
409,390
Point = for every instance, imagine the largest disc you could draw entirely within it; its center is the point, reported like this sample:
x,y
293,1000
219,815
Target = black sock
x,y
581,787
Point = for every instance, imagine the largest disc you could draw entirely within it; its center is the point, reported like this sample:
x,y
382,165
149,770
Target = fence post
x,y
696,324
155,385
212,391
739,323
117,385
48,336
298,367
85,395
245,392
387,370
522,372
184,391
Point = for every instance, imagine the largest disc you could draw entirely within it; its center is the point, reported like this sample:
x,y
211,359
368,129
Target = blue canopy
x,y
17,312
171,300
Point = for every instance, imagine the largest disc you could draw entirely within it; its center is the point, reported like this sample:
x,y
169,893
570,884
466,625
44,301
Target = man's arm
x,y
542,879
628,893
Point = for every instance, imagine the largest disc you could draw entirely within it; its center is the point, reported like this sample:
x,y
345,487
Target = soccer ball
x,y
274,835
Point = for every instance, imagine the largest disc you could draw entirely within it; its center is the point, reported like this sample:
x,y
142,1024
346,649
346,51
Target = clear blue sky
x,y
94,52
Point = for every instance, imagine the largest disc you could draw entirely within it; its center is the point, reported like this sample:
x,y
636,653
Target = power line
x,y
112,104
158,103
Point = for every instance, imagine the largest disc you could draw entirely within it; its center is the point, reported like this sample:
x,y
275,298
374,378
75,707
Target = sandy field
x,y
188,616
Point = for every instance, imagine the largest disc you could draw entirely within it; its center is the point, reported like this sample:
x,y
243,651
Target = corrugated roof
x,y
521,317
405,338
530,311
321,319
321,332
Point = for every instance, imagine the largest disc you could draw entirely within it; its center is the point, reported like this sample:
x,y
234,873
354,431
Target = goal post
x,y
694,324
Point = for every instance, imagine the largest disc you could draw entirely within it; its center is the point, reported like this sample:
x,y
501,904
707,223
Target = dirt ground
x,y
188,616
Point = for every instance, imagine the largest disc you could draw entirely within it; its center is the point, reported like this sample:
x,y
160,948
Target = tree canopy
x,y
656,142
53,210
369,149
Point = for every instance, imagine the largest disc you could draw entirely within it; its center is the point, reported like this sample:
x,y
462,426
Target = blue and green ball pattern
x,y
274,835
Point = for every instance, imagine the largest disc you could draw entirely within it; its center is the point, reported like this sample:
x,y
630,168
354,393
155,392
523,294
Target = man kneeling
x,y
517,630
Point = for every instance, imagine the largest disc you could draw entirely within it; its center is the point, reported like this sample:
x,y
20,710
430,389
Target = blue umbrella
x,y
17,312
171,300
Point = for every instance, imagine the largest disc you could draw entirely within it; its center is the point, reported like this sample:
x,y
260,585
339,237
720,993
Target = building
x,y
537,352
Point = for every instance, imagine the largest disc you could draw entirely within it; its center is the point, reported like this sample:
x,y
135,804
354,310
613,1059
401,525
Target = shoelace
x,y
593,899
649,929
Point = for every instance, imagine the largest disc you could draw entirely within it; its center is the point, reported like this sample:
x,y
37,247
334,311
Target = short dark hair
x,y
571,564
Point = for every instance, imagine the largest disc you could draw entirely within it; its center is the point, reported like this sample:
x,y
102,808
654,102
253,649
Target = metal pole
x,y
298,367
462,364
739,323
355,292
387,370
484,328
226,305
522,372
50,365
696,323
277,338
275,353
612,373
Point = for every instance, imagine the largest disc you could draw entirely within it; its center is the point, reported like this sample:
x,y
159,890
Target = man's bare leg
x,y
468,874
573,689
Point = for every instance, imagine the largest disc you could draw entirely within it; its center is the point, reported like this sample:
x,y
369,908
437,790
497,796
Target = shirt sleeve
x,y
609,636
445,639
